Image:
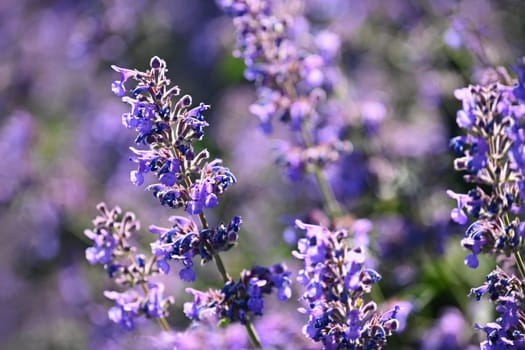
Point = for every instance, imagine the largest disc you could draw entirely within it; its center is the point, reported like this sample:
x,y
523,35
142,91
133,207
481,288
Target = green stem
x,y
332,205
519,262
253,334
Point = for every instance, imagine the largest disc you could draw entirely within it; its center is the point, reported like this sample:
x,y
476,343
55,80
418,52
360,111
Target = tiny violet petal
x,y
163,266
117,87
471,261
187,274
136,178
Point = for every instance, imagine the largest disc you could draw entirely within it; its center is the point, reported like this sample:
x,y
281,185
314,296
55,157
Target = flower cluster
x,y
131,304
166,132
294,72
507,292
184,241
168,128
491,154
336,281
112,247
238,301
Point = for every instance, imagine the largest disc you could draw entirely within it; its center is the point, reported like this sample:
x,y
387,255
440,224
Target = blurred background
x,y
64,150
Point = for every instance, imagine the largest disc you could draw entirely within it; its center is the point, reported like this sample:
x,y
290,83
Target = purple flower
x,y
506,291
131,305
187,274
465,116
104,243
163,266
294,72
457,214
126,309
336,282
238,300
491,153
166,129
202,196
184,240
117,86
154,306
113,248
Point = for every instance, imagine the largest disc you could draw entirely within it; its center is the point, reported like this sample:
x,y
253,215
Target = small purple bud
x,y
374,276
284,293
155,62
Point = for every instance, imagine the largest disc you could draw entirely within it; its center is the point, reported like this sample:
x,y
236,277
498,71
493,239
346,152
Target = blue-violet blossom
x,y
166,128
336,282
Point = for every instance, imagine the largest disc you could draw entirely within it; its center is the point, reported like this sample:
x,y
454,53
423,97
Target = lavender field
x,y
275,174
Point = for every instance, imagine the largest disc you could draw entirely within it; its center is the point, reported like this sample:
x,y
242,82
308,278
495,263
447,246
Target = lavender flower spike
x,y
113,248
184,241
336,282
294,71
508,293
491,155
241,300
166,127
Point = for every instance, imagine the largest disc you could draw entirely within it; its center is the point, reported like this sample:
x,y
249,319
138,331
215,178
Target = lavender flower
x,y
113,249
130,305
491,154
167,128
507,292
292,78
241,300
336,282
184,241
